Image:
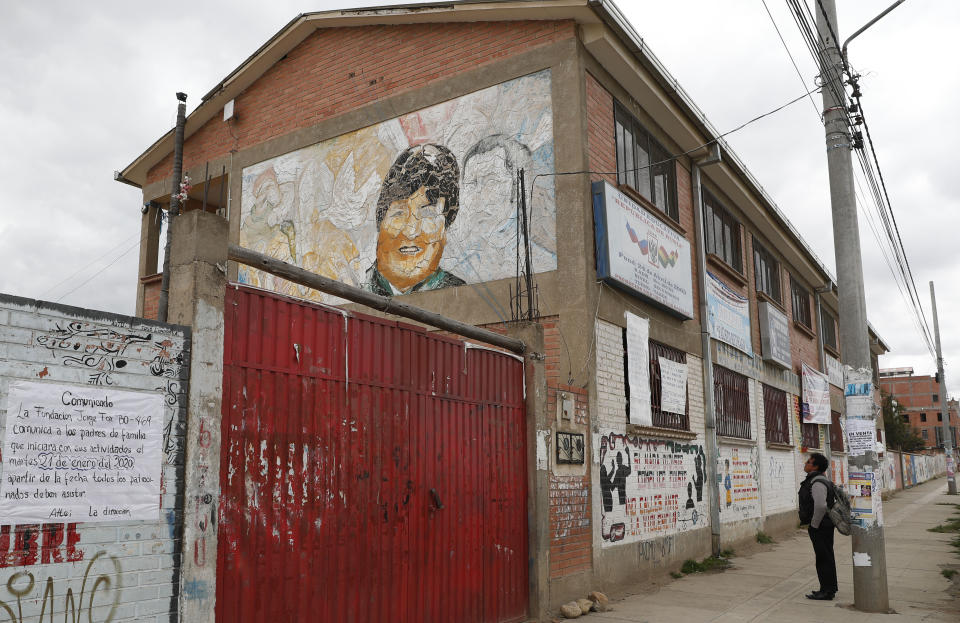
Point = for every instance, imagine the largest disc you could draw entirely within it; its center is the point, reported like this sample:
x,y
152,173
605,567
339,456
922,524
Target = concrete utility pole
x,y
944,407
174,204
870,560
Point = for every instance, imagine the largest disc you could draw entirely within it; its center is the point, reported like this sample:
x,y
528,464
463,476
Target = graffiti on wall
x,y
29,544
738,483
649,488
99,593
422,201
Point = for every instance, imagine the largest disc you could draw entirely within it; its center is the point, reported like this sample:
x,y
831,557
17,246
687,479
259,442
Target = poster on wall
x,y
80,453
738,483
423,201
638,369
729,315
862,487
858,394
774,334
816,397
649,488
673,386
637,251
834,371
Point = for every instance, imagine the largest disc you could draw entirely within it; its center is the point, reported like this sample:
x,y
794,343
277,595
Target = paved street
x,y
770,585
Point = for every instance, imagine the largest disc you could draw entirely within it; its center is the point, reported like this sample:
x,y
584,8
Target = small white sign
x,y
638,369
860,436
816,397
774,334
673,386
80,453
834,371
729,314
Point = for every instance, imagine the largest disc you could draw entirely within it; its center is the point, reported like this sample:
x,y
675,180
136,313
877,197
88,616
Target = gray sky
x,y
90,85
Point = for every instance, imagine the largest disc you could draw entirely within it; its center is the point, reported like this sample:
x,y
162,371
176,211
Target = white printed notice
x,y
76,453
673,386
638,369
860,436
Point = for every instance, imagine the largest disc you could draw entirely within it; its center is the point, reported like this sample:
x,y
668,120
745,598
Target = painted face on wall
x,y
411,239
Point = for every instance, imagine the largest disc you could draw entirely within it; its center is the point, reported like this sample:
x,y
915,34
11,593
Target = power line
x,y
816,109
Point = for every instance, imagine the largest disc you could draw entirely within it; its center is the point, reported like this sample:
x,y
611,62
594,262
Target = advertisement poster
x,y
729,315
638,369
860,436
80,453
858,393
862,506
673,386
816,397
635,249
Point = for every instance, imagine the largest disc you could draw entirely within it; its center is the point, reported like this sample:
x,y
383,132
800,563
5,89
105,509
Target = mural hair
x,y
433,167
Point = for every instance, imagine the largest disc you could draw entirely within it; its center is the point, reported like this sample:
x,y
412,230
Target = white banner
x,y
80,453
638,369
860,436
729,315
858,393
834,371
816,397
673,386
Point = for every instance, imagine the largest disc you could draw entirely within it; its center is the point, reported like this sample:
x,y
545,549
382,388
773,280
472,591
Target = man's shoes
x,y
821,596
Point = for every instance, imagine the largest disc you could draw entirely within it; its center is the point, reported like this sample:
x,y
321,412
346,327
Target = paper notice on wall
x,y
816,396
638,369
858,393
673,386
860,436
80,453
861,486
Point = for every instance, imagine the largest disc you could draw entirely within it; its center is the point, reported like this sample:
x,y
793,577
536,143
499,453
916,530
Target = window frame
x,y
797,290
762,257
646,151
731,403
660,418
836,432
777,421
715,213
829,329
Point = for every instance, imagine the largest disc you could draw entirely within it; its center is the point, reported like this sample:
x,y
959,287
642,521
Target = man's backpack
x,y
839,513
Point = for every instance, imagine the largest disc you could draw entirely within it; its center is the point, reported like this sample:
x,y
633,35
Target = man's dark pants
x,y
822,539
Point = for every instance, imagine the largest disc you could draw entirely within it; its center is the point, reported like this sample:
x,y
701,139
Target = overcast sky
x,y
88,86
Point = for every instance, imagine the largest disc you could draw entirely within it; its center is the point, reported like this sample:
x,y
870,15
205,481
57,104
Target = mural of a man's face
x,y
411,239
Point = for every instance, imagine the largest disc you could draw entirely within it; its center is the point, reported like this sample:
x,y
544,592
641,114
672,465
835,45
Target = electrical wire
x,y
793,61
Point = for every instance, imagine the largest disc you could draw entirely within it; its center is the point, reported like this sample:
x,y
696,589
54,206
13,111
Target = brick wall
x,y
151,296
340,69
131,565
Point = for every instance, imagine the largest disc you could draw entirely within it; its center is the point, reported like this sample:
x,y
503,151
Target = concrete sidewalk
x,y
770,585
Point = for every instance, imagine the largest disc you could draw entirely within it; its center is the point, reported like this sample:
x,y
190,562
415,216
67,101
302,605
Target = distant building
x,y
920,398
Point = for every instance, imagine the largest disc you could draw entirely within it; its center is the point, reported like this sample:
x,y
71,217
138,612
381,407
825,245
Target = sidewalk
x,y
770,585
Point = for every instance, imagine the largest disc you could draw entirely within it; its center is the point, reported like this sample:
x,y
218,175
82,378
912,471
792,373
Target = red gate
x,y
369,471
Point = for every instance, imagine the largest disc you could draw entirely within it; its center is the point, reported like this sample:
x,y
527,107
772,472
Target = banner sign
x,y
638,369
816,397
80,453
673,386
774,334
729,315
639,252
834,371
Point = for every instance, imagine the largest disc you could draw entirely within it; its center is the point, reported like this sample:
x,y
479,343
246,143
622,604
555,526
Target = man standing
x,y
815,497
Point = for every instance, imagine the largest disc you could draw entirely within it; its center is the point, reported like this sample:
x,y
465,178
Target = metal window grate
x,y
775,415
836,432
732,403
811,435
665,419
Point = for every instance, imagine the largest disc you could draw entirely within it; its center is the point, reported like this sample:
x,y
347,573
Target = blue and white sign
x,y
640,253
729,314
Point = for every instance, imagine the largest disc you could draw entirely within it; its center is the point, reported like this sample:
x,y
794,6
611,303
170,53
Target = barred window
x,y
828,326
722,232
644,164
665,419
836,432
775,415
766,272
801,303
731,403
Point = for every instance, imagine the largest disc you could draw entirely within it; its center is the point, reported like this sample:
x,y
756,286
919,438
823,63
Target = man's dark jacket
x,y
806,501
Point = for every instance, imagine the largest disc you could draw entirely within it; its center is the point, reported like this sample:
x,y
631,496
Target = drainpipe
x,y
710,414
823,357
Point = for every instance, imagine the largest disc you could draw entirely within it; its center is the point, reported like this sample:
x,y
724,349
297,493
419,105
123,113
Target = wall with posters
x,y
738,476
92,432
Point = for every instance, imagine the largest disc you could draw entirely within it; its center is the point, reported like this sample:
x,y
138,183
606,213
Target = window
x,y
935,397
731,403
811,435
722,233
828,326
644,165
766,272
665,419
939,417
906,418
923,417
925,433
775,415
800,299
836,432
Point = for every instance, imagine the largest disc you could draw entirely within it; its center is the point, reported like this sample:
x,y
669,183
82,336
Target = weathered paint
x,y
370,471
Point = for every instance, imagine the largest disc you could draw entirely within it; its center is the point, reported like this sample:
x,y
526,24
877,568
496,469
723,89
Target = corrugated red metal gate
x,y
369,471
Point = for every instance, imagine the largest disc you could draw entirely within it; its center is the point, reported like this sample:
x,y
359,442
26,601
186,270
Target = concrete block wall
x,y
119,571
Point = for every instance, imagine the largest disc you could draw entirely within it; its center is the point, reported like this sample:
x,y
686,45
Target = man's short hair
x,y
820,462
434,167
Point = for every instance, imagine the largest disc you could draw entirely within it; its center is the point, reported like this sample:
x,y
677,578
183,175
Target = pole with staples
x,y
944,407
162,301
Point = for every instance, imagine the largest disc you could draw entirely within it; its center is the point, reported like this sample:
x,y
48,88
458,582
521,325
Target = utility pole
x,y
162,301
870,560
944,407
